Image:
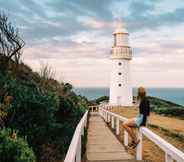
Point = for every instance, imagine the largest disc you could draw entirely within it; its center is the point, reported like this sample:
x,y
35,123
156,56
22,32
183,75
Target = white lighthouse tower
x,y
120,86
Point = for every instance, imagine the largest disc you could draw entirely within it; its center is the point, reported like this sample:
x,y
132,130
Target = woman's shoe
x,y
136,143
131,144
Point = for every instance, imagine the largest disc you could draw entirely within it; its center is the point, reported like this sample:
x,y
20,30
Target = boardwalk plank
x,y
102,144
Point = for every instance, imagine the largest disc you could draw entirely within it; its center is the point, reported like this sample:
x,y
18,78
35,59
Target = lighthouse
x,y
121,56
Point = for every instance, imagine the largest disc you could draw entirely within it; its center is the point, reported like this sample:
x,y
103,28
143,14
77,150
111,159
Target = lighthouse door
x,y
119,100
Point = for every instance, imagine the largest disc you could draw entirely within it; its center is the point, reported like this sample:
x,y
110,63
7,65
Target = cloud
x,y
141,8
33,7
146,19
95,8
75,37
94,23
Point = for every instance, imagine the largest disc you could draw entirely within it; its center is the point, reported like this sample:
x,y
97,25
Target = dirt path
x,y
172,125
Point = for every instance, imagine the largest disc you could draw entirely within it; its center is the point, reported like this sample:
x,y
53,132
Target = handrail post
x,y
139,147
82,131
168,158
112,122
78,154
117,126
85,123
108,118
125,138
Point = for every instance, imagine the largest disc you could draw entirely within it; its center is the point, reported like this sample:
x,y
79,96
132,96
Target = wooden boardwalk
x,y
102,145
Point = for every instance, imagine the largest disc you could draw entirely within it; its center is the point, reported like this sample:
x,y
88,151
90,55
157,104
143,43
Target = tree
x,y
10,42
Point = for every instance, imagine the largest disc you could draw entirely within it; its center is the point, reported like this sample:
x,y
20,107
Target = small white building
x,y
121,55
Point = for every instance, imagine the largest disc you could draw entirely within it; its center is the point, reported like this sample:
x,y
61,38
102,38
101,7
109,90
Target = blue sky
x,y
75,38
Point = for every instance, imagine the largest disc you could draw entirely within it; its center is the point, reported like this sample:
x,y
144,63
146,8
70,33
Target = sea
x,y
175,95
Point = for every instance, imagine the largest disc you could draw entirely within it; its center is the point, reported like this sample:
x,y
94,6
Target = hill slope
x,y
39,109
159,106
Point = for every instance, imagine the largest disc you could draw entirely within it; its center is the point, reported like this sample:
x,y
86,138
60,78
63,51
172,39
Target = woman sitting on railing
x,y
141,119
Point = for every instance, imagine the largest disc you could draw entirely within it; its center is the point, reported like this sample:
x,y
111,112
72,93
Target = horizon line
x,y
132,87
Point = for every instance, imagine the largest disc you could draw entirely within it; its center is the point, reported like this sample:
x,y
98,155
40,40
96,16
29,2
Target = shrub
x,y
14,149
174,112
47,120
32,112
100,99
43,110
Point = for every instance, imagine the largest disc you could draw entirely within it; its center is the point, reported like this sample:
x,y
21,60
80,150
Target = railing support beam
x,y
125,138
108,118
112,122
168,158
78,154
139,147
117,126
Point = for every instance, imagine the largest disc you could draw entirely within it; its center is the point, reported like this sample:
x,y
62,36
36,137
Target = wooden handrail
x,y
171,152
74,151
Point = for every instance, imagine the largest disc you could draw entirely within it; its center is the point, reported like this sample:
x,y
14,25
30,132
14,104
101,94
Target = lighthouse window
x,y
119,63
119,73
119,85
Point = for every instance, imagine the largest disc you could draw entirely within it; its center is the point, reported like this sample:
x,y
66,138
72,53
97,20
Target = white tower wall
x,y
120,85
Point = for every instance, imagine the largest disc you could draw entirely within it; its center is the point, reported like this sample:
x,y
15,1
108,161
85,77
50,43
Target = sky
x,y
75,38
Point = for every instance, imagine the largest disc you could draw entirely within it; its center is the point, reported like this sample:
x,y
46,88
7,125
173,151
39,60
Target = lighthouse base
x,y
118,101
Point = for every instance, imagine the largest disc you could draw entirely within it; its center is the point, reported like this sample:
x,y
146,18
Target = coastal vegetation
x,y
159,106
38,114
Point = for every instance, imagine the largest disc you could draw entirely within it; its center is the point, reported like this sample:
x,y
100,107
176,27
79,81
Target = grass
x,y
168,132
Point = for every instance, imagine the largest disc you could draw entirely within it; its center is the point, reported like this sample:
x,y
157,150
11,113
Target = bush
x,y
174,112
14,149
43,110
46,119
32,112
100,99
166,108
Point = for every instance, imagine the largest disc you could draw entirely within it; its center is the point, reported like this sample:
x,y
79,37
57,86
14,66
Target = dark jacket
x,y
144,108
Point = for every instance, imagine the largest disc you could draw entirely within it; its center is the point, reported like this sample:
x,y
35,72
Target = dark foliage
x,y
43,110
46,119
99,100
166,108
14,149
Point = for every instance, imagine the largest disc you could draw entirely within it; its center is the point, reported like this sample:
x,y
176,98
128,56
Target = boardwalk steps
x,y
102,145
